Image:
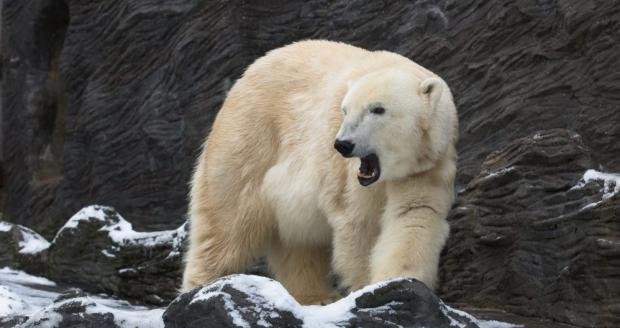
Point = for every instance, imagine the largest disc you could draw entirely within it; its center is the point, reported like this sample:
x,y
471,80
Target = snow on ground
x,y
611,184
122,231
32,296
23,294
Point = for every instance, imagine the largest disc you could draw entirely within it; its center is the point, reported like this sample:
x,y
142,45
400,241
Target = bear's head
x,y
397,123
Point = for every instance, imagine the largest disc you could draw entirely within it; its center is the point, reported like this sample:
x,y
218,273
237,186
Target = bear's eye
x,y
378,110
344,111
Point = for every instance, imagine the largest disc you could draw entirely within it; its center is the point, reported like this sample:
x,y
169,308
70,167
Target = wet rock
x,y
250,301
99,251
536,233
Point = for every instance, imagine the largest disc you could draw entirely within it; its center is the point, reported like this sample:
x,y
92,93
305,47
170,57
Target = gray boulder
x,y
99,251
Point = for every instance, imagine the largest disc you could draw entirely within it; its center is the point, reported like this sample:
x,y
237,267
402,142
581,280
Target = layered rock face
x,y
537,233
109,103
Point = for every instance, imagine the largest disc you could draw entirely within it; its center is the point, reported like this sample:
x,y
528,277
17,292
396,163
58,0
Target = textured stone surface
x,y
530,237
114,109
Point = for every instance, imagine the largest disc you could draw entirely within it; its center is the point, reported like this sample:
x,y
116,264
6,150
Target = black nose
x,y
344,147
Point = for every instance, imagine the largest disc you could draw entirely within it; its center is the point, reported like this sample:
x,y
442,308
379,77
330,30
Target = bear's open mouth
x,y
369,171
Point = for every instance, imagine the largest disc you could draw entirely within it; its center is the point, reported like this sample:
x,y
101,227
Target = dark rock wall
x,y
108,102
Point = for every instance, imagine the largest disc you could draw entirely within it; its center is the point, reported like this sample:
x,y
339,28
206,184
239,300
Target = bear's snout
x,y
344,147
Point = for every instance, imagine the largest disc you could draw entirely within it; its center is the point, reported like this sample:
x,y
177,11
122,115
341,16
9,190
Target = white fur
x,y
269,181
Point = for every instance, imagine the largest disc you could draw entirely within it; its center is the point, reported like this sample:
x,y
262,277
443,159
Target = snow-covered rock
x,y
120,231
610,185
28,301
22,247
246,301
98,250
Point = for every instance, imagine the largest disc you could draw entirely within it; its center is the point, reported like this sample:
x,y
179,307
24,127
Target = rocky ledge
x,y
537,233
233,301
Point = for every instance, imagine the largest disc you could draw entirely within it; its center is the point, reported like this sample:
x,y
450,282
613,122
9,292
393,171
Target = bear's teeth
x,y
362,175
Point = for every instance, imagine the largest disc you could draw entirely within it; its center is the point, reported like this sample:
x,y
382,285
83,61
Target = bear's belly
x,y
292,190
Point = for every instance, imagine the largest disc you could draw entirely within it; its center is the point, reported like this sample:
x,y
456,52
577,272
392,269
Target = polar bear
x,y
326,158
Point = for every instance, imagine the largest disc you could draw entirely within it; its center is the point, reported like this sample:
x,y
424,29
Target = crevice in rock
x,y
49,118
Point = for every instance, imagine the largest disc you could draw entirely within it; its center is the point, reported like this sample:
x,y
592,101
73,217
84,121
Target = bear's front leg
x,y
352,242
409,245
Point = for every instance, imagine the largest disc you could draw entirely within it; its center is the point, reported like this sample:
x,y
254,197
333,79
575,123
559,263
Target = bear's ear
x,y
430,90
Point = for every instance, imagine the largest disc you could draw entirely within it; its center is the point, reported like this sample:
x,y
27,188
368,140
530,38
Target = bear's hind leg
x,y
304,271
225,241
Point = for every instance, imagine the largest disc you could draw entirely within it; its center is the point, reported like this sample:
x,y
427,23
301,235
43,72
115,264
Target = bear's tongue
x,y
369,170
366,170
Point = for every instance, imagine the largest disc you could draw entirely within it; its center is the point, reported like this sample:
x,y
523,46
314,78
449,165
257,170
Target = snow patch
x,y
5,226
121,231
450,312
498,172
31,242
106,253
125,314
611,185
19,295
611,182
10,302
9,275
